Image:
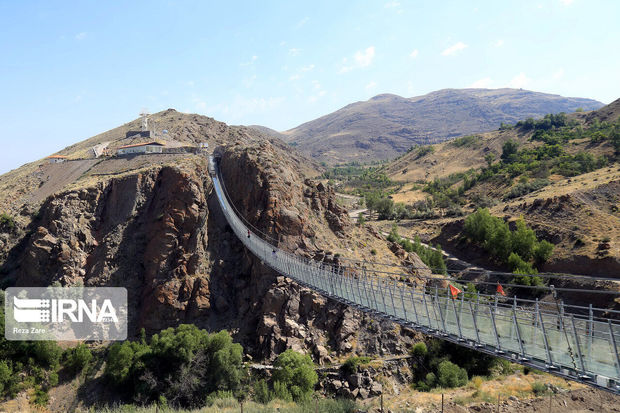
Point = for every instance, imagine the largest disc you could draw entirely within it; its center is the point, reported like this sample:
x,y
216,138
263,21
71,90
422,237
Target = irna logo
x,y
28,310
66,313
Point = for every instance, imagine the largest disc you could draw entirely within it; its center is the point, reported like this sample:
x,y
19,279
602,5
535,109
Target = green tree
x,y
499,240
6,376
46,353
296,373
523,240
393,235
489,158
119,362
360,219
450,375
509,149
385,208
262,394
181,364
371,199
78,357
543,251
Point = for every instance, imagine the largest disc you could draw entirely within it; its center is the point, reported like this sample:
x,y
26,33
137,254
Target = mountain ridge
x,y
387,124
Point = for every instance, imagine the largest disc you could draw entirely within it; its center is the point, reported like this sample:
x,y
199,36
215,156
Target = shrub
x,y
385,208
296,373
352,363
360,219
477,382
6,377
181,364
432,257
424,150
466,141
430,380
78,358
543,251
120,359
450,375
393,235
509,150
523,240
419,349
7,223
280,391
519,266
525,188
41,397
262,394
46,353
539,389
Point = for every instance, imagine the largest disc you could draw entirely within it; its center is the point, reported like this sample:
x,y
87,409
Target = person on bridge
x,y
248,234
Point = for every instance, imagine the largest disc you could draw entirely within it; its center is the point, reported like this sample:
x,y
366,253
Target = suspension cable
x,y
443,277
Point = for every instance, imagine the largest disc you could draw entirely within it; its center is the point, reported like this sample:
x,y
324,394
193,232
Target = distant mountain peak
x,y
387,124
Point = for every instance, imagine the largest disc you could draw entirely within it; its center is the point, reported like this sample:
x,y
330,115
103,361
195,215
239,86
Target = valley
x,y
152,223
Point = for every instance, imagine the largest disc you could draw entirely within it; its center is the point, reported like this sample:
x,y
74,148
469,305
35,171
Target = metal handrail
x,y
574,346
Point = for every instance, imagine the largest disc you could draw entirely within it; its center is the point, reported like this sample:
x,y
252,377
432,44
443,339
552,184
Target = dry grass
x,y
409,194
477,391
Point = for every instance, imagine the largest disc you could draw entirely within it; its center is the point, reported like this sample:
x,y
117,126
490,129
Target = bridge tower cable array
x,y
571,345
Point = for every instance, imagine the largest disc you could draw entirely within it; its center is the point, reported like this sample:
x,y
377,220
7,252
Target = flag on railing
x,y
454,291
500,290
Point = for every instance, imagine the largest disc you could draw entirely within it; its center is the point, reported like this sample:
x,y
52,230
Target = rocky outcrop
x,y
160,233
270,192
144,232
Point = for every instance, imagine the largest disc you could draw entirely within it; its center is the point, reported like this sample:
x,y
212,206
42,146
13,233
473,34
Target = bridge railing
x,y
570,345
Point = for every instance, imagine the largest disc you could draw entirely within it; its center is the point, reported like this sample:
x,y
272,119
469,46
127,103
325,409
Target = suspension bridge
x,y
561,340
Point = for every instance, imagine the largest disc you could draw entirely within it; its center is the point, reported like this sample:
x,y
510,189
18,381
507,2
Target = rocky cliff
x,y
158,231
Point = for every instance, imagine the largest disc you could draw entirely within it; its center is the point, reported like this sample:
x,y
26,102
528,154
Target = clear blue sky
x,y
69,70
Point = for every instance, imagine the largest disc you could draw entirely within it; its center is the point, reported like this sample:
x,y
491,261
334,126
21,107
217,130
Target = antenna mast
x,y
144,114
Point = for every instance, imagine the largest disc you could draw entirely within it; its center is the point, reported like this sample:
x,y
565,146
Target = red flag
x,y
454,291
500,290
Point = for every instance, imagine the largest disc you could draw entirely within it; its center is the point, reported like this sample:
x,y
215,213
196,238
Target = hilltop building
x,y
148,147
56,158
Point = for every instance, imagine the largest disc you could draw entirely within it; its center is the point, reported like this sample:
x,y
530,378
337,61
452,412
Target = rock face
x,y
160,233
389,376
274,197
145,231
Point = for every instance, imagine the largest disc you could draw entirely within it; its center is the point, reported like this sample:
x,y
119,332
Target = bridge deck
x,y
569,345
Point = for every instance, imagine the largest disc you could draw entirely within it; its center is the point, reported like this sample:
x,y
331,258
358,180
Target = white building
x,y
149,147
56,158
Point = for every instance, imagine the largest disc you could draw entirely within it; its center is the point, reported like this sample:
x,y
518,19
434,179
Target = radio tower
x,y
144,114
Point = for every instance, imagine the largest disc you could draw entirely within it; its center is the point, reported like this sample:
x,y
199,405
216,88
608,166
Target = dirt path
x,y
452,262
346,196
356,212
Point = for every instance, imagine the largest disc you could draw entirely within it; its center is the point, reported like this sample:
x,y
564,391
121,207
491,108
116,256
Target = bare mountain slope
x,y
386,125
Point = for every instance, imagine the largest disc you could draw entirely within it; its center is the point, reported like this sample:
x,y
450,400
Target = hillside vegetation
x,y
558,175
